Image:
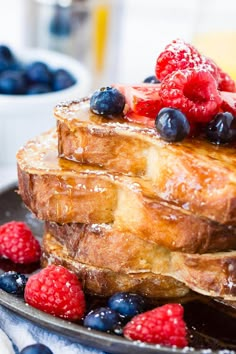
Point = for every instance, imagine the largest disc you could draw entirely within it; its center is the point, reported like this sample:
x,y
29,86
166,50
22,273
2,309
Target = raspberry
x,y
179,55
194,92
228,102
18,243
163,325
226,83
57,291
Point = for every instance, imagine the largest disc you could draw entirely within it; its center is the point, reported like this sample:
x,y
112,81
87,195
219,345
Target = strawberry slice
x,y
136,118
228,102
143,99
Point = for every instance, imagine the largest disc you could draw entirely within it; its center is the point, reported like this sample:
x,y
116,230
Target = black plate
x,y
12,208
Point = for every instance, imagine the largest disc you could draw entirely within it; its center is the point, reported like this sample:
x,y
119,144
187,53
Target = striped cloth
x,y
16,333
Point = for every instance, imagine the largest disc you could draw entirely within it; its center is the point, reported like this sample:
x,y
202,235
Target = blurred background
x,y
114,40
119,40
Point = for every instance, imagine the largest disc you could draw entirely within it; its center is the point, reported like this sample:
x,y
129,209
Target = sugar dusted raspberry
x,y
194,92
57,291
179,55
163,325
18,243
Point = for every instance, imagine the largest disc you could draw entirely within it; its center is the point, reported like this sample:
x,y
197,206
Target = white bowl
x,y
23,117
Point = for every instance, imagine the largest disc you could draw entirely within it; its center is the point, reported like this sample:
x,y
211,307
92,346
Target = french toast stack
x,y
128,211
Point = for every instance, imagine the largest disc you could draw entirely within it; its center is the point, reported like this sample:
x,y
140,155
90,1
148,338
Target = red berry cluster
x,y
191,82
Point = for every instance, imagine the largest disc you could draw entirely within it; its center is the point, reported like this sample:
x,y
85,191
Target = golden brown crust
x,y
208,274
104,282
197,175
103,246
62,191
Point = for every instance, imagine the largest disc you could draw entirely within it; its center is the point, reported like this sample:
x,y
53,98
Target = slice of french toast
x,y
105,282
197,175
59,190
100,246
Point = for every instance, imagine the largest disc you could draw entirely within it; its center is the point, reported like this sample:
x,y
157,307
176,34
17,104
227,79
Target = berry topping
x,y
226,83
136,118
18,243
13,283
193,92
179,55
222,129
163,325
127,304
228,102
172,124
142,100
107,101
36,349
151,80
57,291
102,319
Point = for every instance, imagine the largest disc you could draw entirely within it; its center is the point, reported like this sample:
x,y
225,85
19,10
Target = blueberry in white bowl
x,y
26,107
19,76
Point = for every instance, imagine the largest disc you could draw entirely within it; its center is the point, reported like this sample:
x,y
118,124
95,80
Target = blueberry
x,y
62,79
13,282
222,129
107,101
5,52
34,89
7,59
12,82
36,349
38,72
172,124
102,319
151,80
127,304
